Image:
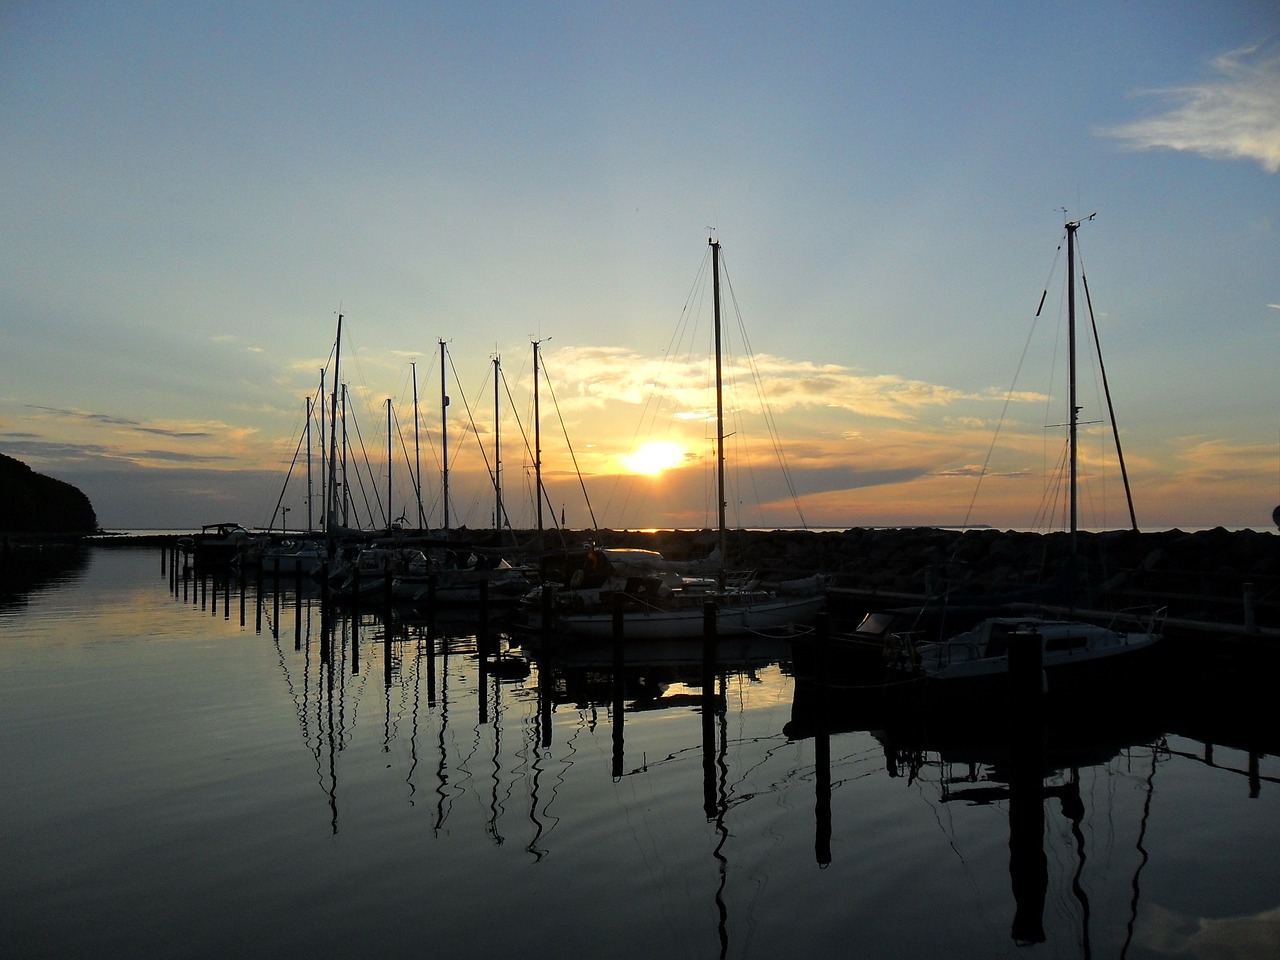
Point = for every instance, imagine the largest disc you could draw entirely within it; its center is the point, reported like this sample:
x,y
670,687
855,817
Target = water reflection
x,y
29,568
790,783
1043,771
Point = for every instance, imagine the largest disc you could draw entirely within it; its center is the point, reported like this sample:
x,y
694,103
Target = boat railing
x,y
1147,619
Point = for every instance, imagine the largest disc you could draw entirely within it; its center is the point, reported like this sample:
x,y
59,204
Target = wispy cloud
x,y
1235,116
600,375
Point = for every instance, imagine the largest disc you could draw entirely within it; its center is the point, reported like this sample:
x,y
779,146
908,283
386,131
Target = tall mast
x,y
497,449
388,464
444,439
346,488
715,287
324,457
537,438
1074,410
309,526
417,456
331,509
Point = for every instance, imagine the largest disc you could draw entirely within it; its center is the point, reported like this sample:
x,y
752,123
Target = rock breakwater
x,y
1214,575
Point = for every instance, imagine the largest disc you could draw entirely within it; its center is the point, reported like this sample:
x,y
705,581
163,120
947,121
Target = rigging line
x,y
1008,397
519,425
285,486
572,455
369,468
475,431
404,448
659,386
1106,389
762,395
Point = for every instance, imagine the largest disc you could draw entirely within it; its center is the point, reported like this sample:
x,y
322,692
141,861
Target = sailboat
x,y
1069,655
652,597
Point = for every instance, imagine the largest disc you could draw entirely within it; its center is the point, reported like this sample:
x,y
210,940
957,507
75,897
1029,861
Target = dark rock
x,y
31,503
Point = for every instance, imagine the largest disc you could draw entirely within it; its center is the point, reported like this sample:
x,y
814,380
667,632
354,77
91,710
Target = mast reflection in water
x,y
233,766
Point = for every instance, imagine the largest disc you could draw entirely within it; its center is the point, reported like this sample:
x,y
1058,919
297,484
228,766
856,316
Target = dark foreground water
x,y
185,777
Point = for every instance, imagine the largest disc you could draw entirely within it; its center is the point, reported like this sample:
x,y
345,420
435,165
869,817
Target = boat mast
x,y
309,526
331,496
715,288
1073,410
346,488
497,449
444,440
388,465
537,438
324,456
417,455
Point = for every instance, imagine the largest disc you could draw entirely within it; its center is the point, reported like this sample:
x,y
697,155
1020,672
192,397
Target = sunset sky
x,y
193,192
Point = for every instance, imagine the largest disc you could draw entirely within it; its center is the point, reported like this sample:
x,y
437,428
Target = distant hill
x,y
30,502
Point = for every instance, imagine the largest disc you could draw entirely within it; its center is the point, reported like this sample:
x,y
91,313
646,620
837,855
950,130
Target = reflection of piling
x,y
1028,865
619,685
297,606
297,609
545,597
275,615
822,750
431,667
387,653
709,805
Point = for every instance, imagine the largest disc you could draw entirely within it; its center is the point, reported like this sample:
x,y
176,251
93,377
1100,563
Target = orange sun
x,y
654,457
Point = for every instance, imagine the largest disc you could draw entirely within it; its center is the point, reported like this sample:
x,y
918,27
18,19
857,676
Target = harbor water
x,y
228,768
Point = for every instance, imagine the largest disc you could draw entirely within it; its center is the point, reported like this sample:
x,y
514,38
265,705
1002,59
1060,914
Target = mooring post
x,y
1250,613
1026,675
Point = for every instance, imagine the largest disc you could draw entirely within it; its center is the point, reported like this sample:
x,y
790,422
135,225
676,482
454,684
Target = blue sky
x,y
193,193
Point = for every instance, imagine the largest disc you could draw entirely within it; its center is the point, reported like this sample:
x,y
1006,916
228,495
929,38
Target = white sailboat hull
x,y
764,615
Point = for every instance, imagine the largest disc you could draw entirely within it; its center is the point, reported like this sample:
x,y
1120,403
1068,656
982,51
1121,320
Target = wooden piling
x,y
1026,676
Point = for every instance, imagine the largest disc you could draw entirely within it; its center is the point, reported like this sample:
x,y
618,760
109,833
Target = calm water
x,y
187,777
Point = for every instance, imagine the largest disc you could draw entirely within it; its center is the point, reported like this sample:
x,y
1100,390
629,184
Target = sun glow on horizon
x,y
654,457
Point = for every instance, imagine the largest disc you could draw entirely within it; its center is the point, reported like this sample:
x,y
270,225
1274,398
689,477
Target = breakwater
x,y
1212,576
1218,575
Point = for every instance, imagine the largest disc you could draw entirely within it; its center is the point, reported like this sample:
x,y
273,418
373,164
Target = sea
x,y
230,768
